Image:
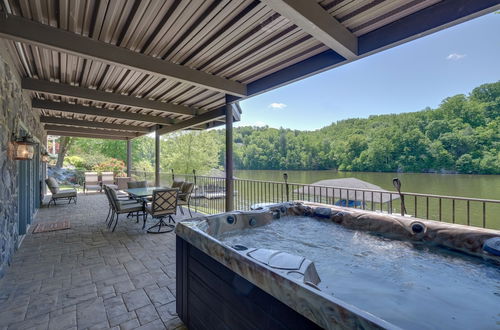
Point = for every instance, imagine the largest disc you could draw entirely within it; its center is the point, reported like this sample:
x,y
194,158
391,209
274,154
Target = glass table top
x,y
142,192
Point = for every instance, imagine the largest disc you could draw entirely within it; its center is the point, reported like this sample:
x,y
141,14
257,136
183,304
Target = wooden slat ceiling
x,y
242,41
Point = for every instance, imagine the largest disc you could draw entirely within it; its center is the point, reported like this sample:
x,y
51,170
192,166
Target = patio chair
x,y
91,182
108,178
185,196
164,205
177,184
120,207
121,199
136,184
57,193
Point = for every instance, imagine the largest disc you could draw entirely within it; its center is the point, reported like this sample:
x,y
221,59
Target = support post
x,y
129,158
287,189
229,159
157,158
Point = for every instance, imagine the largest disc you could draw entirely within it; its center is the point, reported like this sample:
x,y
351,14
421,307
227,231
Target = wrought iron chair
x,y
164,205
57,193
136,184
177,184
122,208
185,196
91,182
121,199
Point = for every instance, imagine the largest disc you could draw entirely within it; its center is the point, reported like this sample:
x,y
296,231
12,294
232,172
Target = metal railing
x,y
209,197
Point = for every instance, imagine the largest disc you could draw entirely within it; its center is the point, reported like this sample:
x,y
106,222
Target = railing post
x,y
194,189
173,175
397,184
287,188
229,158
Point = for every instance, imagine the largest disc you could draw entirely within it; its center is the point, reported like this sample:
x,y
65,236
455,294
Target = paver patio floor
x,y
88,277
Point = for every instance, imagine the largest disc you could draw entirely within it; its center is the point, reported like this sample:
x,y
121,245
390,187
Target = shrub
x,y
85,162
76,161
111,165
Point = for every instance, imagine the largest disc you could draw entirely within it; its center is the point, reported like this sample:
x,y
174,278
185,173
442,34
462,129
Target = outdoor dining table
x,y
141,192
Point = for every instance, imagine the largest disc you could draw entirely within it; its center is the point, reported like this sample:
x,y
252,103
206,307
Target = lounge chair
x,y
57,193
185,196
164,205
91,182
108,179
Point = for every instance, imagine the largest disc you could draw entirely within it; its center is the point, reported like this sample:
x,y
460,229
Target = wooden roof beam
x,y
94,131
313,19
43,86
204,121
89,136
101,112
195,121
437,17
27,31
93,124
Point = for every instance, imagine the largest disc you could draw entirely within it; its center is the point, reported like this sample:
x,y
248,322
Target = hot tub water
x,y
414,286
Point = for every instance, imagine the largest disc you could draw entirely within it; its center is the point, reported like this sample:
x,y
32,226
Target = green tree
x,y
185,152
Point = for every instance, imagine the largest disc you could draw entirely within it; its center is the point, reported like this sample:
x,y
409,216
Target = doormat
x,y
51,226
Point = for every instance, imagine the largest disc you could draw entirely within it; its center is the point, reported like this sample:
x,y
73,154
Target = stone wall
x,y
15,112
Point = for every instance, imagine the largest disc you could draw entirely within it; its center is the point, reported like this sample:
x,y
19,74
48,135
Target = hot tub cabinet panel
x,y
211,296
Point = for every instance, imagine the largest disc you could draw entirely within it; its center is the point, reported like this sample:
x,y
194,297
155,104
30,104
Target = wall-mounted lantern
x,y
45,157
24,148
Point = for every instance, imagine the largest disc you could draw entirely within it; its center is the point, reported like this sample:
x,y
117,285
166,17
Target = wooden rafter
x,y
43,86
92,124
101,112
27,31
94,131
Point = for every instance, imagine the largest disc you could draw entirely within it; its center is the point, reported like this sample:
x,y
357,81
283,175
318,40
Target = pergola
x,y
120,69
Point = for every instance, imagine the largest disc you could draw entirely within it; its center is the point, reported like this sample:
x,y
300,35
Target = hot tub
x,y
305,265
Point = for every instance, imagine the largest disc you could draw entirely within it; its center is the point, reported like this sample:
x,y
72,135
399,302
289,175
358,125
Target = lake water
x,y
474,186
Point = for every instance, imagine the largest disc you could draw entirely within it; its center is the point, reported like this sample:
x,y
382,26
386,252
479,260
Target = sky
x,y
406,78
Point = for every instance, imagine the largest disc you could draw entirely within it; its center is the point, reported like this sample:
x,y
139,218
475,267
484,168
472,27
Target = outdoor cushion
x,y
177,184
126,206
91,177
52,184
187,189
129,207
108,178
65,193
149,208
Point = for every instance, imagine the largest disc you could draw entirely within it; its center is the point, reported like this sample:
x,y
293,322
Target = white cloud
x,y
276,105
259,124
455,56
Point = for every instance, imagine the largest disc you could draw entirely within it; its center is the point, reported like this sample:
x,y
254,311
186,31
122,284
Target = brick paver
x,y
88,277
